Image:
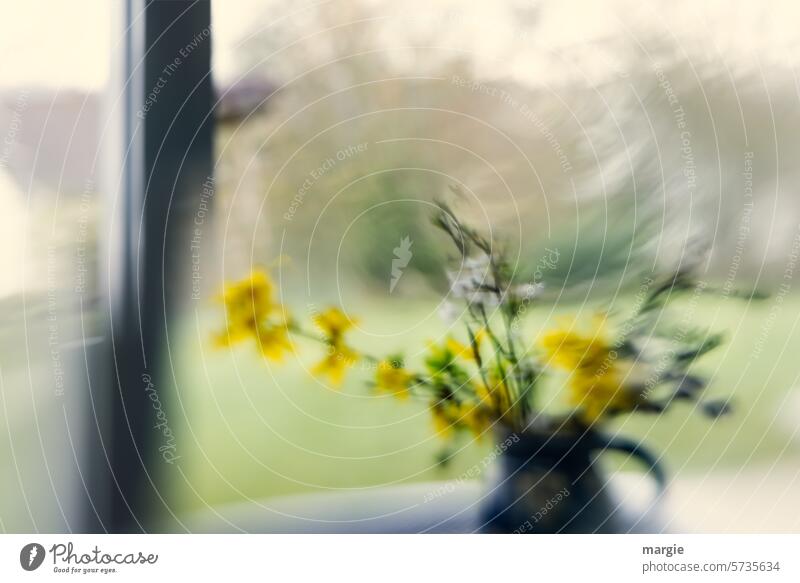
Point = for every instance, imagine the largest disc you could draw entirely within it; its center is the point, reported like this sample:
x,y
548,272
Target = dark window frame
x,y
159,157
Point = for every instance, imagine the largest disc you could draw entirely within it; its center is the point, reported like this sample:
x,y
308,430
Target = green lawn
x,y
260,430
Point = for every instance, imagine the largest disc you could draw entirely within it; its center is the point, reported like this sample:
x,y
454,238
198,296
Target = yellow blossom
x,y
444,358
476,419
449,415
466,351
274,342
445,416
495,396
251,313
334,365
570,349
334,323
598,394
596,381
247,303
391,377
442,417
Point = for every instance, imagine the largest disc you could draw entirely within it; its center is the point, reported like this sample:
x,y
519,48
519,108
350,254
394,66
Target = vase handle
x,y
637,450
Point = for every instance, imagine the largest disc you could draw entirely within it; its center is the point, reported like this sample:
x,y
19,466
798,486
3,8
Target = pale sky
x,y
53,43
66,44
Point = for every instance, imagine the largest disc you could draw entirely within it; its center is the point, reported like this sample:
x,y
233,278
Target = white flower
x,y
449,312
474,282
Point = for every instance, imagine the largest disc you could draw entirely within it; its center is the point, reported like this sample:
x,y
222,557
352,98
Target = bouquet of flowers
x,y
491,377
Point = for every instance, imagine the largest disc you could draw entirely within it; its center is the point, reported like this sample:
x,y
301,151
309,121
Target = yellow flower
x,y
449,415
391,377
596,381
444,358
274,342
445,415
251,313
252,294
495,396
598,394
465,351
570,350
334,323
442,416
335,364
476,419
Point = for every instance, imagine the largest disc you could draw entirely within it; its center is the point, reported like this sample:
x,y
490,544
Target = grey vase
x,y
545,483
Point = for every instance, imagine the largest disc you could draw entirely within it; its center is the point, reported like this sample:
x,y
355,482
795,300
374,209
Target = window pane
x,y
560,128
51,99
